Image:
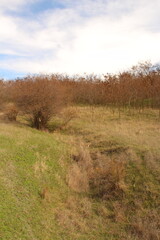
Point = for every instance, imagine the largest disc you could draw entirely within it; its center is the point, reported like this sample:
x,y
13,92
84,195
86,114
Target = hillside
x,y
95,178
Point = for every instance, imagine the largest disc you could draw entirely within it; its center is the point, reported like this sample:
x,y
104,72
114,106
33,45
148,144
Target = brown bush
x,y
42,96
137,88
1,93
63,119
11,112
38,97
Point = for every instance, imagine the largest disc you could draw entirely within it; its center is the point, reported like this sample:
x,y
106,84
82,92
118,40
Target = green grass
x,y
31,161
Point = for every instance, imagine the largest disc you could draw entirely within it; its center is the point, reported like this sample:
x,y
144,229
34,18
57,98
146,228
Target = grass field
x,y
95,178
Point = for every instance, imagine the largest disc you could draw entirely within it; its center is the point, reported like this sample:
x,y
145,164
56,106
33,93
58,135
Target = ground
x,y
97,177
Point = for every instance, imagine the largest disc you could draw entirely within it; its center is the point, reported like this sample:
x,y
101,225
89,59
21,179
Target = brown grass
x,y
108,180
119,212
77,178
80,170
74,215
39,168
45,194
147,227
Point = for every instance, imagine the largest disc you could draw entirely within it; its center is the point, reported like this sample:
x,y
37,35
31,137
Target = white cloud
x,y
13,5
87,36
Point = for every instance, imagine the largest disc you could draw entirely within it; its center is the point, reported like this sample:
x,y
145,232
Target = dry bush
x,y
68,114
11,112
64,118
135,88
1,93
41,96
38,97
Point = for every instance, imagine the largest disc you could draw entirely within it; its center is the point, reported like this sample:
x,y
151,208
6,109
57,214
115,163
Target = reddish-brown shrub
x,y
1,93
42,96
38,97
11,112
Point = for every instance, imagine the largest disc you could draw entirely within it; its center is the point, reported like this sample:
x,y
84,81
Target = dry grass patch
x,y
98,174
39,168
8,175
77,179
80,170
128,131
152,161
75,214
119,212
108,179
147,227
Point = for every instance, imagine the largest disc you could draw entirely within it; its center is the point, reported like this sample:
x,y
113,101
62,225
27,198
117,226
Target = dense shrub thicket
x,y
42,96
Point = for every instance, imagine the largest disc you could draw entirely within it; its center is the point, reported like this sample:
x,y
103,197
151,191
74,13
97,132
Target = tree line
x,y
42,96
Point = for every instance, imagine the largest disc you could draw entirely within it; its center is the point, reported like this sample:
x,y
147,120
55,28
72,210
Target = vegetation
x,y
92,172
41,97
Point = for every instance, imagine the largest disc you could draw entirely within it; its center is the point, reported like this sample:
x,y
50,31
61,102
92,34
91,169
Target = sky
x,y
77,36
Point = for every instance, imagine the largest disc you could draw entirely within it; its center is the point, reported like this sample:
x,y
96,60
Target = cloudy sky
x,y
77,36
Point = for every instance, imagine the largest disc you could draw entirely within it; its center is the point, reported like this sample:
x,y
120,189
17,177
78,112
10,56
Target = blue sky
x,y
43,5
77,36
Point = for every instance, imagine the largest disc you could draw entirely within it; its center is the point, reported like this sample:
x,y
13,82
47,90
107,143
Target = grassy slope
x,y
33,161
